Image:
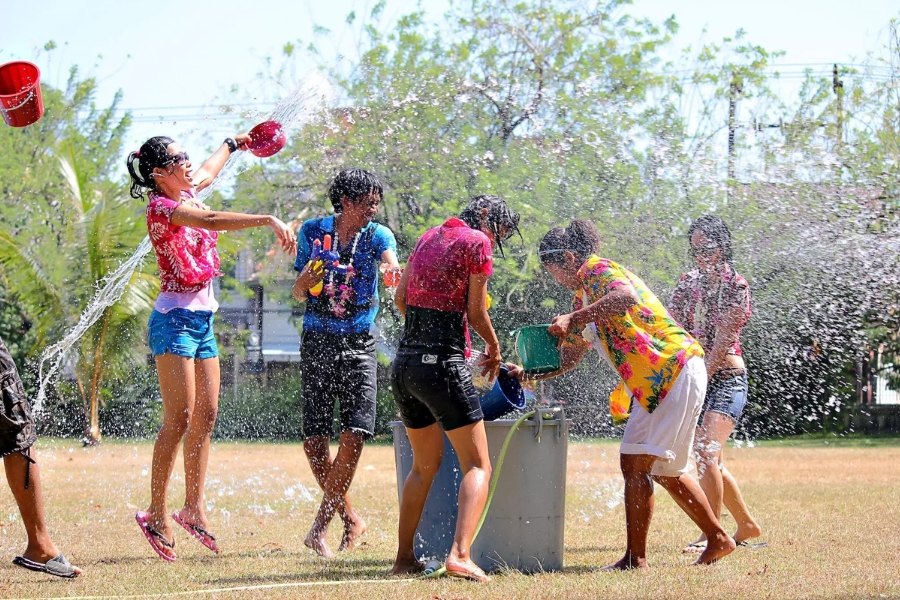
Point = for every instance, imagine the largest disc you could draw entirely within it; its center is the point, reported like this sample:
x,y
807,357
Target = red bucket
x,y
20,93
267,139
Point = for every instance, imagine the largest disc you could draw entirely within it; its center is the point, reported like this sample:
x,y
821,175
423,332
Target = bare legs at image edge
x,y
334,476
17,436
24,478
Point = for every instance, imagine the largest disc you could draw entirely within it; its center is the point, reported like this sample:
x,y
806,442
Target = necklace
x,y
341,295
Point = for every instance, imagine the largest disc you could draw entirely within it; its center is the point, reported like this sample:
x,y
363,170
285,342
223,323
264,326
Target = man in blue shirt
x,y
337,347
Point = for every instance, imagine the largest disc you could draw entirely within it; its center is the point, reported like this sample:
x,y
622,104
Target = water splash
x,y
304,103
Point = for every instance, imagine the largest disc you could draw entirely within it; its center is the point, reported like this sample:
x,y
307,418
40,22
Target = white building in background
x,y
883,394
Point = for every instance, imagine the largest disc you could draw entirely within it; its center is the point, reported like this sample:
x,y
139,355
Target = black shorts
x,y
16,422
430,388
343,368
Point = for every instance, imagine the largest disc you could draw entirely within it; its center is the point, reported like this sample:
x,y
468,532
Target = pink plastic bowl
x,y
267,139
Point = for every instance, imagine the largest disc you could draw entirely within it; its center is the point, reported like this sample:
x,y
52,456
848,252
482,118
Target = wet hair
x,y
580,237
353,184
499,215
153,154
715,229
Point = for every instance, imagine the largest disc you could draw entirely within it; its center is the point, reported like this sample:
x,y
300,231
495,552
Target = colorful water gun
x,y
322,256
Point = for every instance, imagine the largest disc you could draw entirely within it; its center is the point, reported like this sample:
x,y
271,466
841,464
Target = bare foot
x,y
718,547
747,531
354,528
628,563
160,524
316,542
194,516
466,569
41,555
407,566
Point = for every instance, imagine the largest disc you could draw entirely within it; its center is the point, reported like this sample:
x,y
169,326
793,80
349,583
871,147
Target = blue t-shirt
x,y
373,241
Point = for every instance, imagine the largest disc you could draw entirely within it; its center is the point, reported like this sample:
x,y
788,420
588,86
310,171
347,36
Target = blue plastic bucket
x,y
506,396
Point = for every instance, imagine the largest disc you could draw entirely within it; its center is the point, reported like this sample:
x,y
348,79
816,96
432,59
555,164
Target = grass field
x,y
830,514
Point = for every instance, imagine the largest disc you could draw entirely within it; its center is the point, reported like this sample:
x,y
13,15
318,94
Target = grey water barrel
x,y
525,524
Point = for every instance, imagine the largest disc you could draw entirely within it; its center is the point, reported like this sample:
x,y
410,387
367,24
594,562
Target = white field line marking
x,y
268,586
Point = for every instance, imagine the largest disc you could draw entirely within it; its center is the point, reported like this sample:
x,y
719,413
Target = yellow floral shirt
x,y
646,346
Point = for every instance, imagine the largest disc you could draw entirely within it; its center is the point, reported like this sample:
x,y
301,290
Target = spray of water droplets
x,y
304,103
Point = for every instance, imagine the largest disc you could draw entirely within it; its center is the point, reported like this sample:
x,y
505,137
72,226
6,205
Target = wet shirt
x,y
700,307
645,345
429,331
354,303
187,256
438,284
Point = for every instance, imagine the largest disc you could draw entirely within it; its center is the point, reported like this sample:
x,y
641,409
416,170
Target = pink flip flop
x,y
200,534
154,537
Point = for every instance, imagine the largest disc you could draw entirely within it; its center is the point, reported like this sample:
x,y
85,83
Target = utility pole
x,y
736,89
838,86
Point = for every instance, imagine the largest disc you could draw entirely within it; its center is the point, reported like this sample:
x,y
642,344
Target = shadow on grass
x,y
335,573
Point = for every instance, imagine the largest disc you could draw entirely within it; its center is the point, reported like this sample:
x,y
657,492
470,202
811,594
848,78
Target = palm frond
x,y
24,276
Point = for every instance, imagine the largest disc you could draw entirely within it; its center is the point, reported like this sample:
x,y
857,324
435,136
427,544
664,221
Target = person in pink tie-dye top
x,y
184,234
187,256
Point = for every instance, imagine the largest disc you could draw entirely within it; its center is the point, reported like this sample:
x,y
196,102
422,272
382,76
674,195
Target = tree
x,y
68,224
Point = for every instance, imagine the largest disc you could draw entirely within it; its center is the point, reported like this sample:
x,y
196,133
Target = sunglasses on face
x,y
177,159
704,251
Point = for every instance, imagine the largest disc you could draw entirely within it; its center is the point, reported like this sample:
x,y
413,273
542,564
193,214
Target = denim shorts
x,y
726,394
182,332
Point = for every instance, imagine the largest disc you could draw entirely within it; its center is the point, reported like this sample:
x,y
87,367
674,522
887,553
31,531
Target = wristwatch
x,y
232,145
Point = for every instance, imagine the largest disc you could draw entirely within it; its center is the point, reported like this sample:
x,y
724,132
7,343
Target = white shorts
x,y
668,432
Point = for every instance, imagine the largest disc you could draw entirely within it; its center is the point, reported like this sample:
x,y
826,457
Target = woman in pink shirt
x,y
713,303
184,234
444,289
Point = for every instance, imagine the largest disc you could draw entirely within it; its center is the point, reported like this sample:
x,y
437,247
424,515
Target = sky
x,y
175,63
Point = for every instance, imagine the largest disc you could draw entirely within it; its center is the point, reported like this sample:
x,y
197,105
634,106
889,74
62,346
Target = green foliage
x,y
564,109
132,407
68,223
274,411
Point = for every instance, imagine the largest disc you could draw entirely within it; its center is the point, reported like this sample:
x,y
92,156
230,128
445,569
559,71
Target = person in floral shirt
x,y
713,302
184,233
662,371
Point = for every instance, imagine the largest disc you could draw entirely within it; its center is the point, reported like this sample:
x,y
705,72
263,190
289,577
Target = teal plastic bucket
x,y
538,349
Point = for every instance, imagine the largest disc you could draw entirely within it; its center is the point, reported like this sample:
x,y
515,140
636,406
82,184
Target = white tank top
x,y
195,301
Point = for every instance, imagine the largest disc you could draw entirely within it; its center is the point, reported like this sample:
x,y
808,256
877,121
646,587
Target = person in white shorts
x,y
663,379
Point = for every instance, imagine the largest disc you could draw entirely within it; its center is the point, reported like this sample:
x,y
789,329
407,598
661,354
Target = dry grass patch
x,y
830,515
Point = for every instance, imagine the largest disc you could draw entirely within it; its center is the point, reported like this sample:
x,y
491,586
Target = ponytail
x,y
153,153
580,237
